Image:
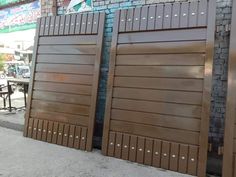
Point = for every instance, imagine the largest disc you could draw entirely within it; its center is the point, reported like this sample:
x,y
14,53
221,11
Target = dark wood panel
x,y
156,119
67,59
158,95
67,49
68,40
161,71
64,78
160,59
163,47
65,68
155,132
62,97
159,83
63,88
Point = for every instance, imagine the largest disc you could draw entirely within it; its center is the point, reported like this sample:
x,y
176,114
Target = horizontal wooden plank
x,y
65,68
67,59
60,107
168,134
63,88
64,78
62,97
162,59
159,95
160,83
67,49
82,39
157,107
60,117
156,119
163,47
163,36
161,71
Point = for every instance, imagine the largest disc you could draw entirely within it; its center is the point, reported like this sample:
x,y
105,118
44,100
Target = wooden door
x,y
64,81
229,160
159,87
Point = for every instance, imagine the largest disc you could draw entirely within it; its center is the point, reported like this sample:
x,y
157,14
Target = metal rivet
x,y
61,24
39,130
77,23
148,151
192,159
122,20
51,25
132,147
44,130
111,143
67,24
184,15
65,134
159,17
202,13
29,127
167,16
89,23
95,23
156,153
176,15
72,24
144,18
82,138
118,145
56,25
151,17
71,136
59,134
77,137
173,156
42,26
54,133
165,154
83,23
125,146
193,13
136,19
46,26
129,19
49,131
182,157
34,129
140,149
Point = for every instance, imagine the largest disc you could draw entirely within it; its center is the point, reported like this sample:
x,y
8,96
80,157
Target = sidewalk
x,y
24,157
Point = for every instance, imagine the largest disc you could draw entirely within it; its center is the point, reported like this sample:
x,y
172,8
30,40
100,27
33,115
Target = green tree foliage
x,y
1,62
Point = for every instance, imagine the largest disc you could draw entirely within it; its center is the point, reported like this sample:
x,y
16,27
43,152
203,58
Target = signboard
x,y
76,6
19,18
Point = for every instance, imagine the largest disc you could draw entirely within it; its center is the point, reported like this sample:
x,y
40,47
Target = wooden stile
x,y
64,81
159,85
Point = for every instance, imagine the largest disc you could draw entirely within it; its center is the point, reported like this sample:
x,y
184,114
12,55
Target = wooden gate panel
x,y
157,94
229,160
63,88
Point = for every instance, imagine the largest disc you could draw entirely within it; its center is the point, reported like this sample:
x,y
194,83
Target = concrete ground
x,y
24,157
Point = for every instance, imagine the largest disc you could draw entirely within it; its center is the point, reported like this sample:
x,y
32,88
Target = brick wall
x,y
220,60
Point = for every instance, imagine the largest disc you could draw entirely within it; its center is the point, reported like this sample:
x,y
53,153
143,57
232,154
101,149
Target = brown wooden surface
x,y
158,92
229,162
64,82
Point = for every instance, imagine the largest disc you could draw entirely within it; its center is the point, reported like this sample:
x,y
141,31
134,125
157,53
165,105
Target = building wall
x,y
219,88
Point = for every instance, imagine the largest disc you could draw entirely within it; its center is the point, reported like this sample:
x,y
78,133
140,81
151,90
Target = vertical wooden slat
x,y
202,13
156,160
165,155
30,128
143,19
65,135
78,23
60,133
137,19
175,15
62,25
112,143
193,13
35,128
133,148
52,25
57,25
49,133
45,130
95,23
183,158
118,145
125,147
148,151
83,139
129,20
72,24
71,136
67,24
151,17
77,137
55,132
84,23
89,23
184,14
122,20
47,25
192,160
174,155
167,15
40,127
42,26
140,150
159,16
